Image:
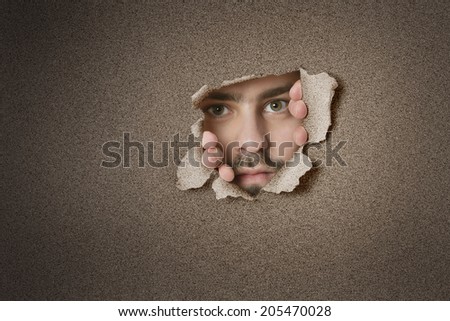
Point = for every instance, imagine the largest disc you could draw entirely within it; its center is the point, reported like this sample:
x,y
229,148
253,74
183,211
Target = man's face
x,y
254,127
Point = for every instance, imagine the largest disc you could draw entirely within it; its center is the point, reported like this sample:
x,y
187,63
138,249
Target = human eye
x,y
275,106
217,110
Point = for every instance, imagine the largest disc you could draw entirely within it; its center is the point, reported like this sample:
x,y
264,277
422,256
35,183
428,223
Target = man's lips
x,y
252,171
259,169
252,176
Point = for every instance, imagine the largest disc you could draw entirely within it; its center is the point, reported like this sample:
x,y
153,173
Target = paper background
x,y
77,75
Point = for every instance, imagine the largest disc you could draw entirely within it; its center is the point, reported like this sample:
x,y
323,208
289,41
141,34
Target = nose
x,y
251,133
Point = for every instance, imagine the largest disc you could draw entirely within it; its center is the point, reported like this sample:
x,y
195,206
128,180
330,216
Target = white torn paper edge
x,y
318,92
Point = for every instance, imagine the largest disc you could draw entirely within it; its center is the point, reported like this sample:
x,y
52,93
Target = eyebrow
x,y
275,92
237,97
224,96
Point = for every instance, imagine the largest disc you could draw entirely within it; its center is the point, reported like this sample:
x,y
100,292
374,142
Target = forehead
x,y
258,85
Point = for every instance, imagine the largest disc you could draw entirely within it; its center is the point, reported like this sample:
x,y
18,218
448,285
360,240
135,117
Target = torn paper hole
x,y
318,91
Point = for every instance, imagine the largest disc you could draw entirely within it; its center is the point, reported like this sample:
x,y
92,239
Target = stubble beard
x,y
249,160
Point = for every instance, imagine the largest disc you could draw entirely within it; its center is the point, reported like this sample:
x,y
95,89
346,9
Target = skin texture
x,y
252,128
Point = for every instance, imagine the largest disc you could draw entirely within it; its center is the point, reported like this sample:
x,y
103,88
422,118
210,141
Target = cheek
x,y
281,133
223,131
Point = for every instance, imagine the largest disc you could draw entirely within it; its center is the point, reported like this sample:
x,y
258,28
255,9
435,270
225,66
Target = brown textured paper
x,y
318,91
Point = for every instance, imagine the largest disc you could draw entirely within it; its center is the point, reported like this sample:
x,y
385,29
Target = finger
x,y
298,109
296,92
226,173
212,157
209,139
300,136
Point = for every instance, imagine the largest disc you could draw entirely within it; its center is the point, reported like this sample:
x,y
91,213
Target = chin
x,y
253,190
253,187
